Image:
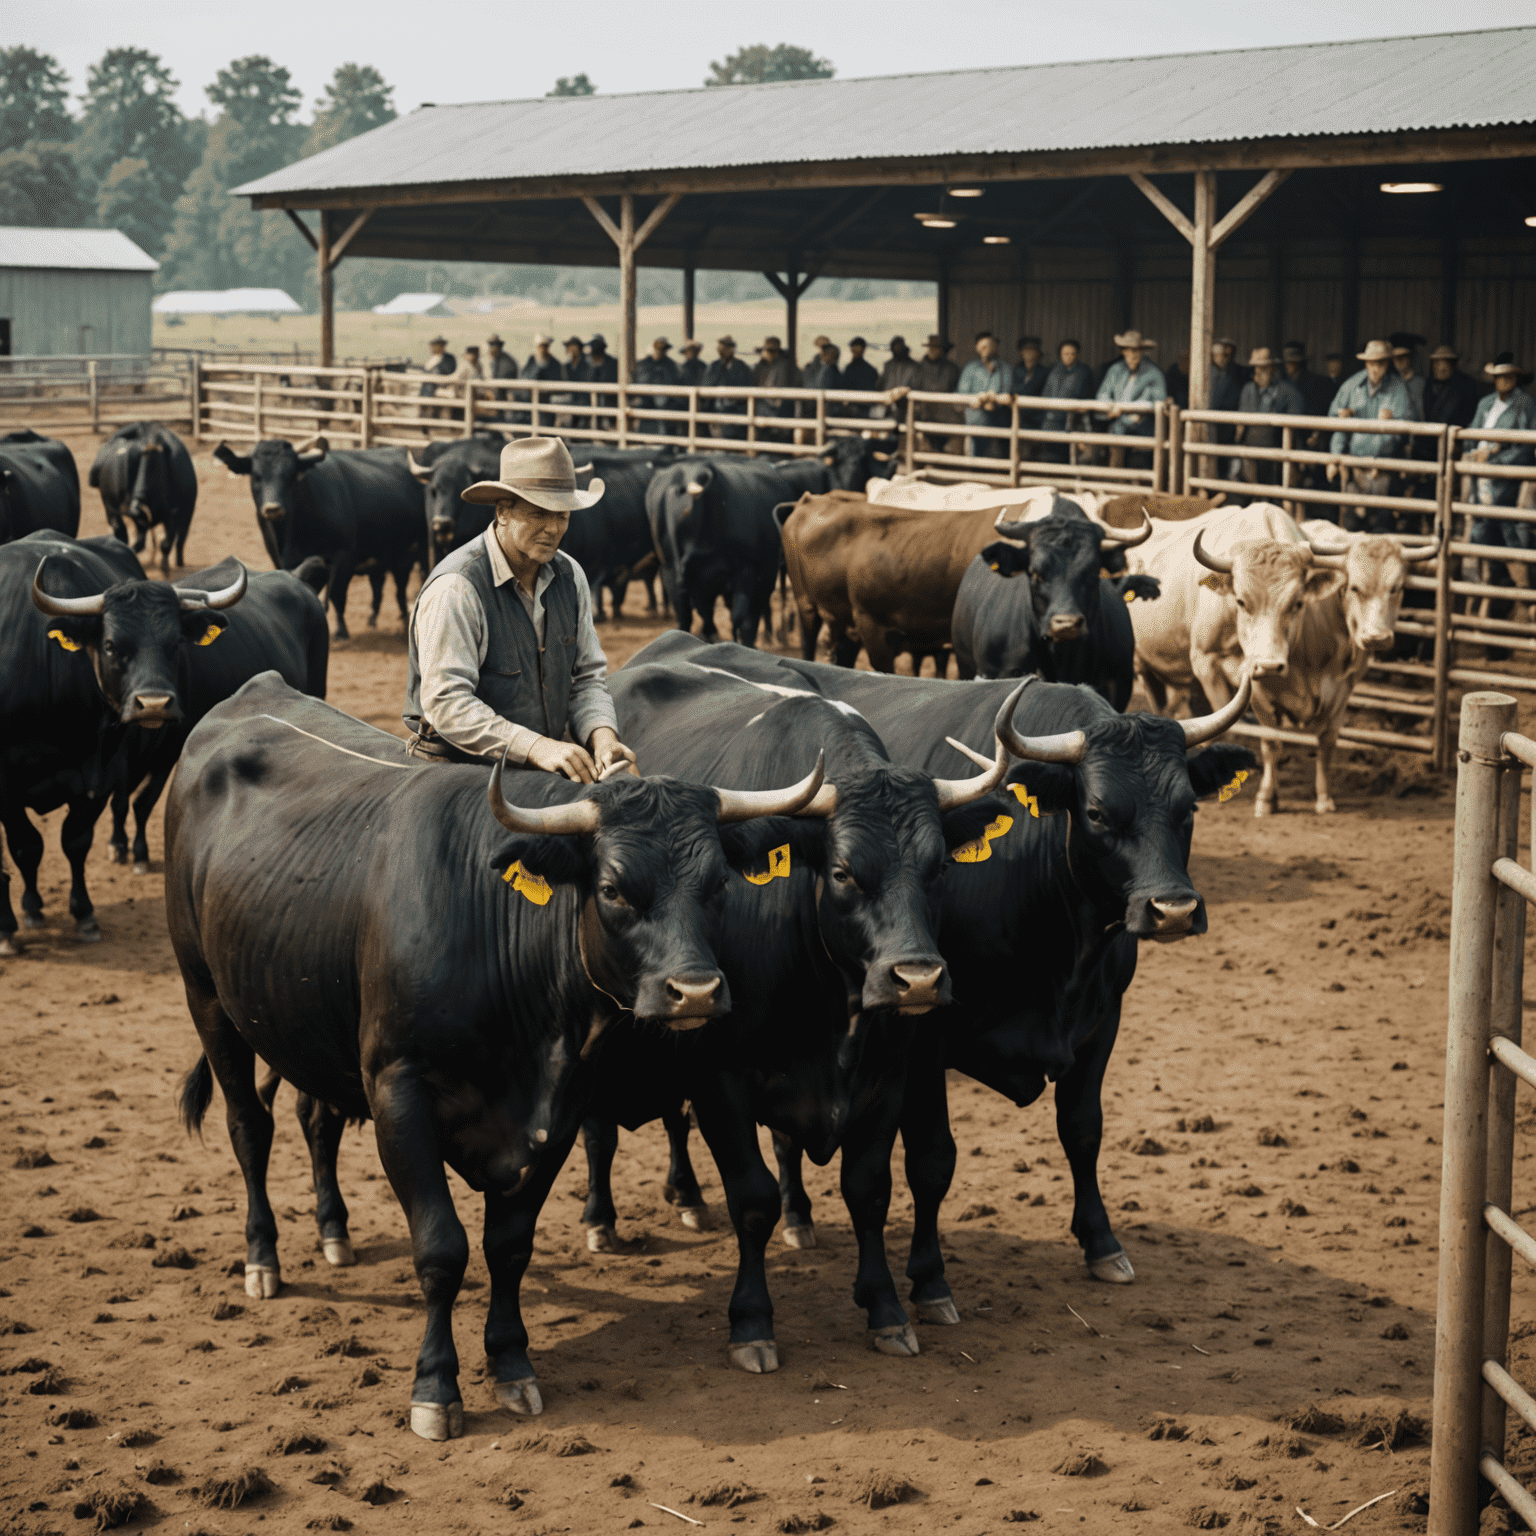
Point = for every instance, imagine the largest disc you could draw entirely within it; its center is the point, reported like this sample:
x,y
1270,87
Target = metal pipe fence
x,y
1479,1238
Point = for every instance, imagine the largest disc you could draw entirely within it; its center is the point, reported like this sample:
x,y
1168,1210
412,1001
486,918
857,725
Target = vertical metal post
x,y
1445,487
327,277
1159,443
365,430
195,396
1485,717
256,385
911,435
1013,443
688,287
91,385
1504,1019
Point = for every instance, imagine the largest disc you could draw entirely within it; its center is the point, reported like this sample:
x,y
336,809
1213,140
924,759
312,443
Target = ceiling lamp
x,y
997,239
1411,186
935,221
1530,220
966,191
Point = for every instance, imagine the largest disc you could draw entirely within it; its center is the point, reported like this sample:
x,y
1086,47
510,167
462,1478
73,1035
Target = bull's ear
x,y
750,847
1144,587
552,860
1214,768
1007,559
967,823
1321,584
235,463
1052,787
202,628
1218,582
75,634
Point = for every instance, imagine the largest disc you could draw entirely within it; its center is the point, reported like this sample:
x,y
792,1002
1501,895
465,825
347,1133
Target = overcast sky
x,y
447,51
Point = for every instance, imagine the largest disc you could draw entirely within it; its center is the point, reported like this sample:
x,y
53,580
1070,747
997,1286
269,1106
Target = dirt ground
x,y
1272,1157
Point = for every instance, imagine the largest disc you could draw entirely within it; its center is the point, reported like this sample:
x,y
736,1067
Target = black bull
x,y
400,951
1120,792
39,486
831,950
145,476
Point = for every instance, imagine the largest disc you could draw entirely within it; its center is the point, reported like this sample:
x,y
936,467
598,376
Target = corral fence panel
x,y
1484,1063
94,393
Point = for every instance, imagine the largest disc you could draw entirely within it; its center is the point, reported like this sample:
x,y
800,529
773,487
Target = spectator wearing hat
x,y
541,365
858,373
575,370
775,369
441,363
498,366
1316,392
1374,394
603,368
810,375
1267,393
1405,345
503,658
692,367
897,375
657,367
469,368
1069,379
1227,381
1029,376
987,379
1132,379
1508,409
1450,396
937,374
727,372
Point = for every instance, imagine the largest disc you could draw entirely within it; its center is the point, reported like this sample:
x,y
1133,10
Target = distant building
x,y
71,291
413,304
226,301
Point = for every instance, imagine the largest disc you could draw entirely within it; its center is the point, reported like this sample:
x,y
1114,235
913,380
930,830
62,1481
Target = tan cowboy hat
x,y
1262,357
1376,352
538,469
1133,339
1505,363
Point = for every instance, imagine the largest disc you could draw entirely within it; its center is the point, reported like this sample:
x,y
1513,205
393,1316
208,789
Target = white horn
x,y
1122,538
552,821
225,597
421,471
1063,747
1209,561
65,607
797,799
957,792
1208,727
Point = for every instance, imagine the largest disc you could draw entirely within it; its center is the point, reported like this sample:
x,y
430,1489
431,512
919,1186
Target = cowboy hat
x,y
572,341
935,340
1375,352
541,340
1445,354
599,342
494,341
1293,352
1133,339
1505,363
692,346
725,341
438,341
663,343
538,469
1262,357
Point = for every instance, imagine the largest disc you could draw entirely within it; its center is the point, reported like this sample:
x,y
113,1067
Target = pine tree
x,y
34,98
40,186
573,85
356,100
759,63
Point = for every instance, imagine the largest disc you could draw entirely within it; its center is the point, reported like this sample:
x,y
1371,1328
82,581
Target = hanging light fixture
x,y
997,239
938,221
1530,220
1412,186
966,191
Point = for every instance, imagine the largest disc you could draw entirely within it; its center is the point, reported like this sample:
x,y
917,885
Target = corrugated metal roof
x,y
88,250
1464,79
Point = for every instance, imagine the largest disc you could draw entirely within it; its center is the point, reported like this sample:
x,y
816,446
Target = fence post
x,y
1287,478
195,396
821,418
1446,487
623,422
90,369
693,418
1504,1019
1159,448
1013,442
365,431
1454,1454
1175,463
256,381
911,435
469,407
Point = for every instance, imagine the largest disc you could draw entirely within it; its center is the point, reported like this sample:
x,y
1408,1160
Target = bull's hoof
x,y
520,1397
695,1217
1265,807
141,866
33,920
88,931
339,1251
1325,805
759,1357
803,1236
262,1282
437,1421
9,948
605,1239
897,1340
941,1311
1113,1268
119,853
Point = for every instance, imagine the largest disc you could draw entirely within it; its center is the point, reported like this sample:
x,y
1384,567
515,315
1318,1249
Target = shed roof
x,y
1379,86
86,250
226,301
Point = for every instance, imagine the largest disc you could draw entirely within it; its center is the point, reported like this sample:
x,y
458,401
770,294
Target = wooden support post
x,y
1485,717
1445,489
195,396
365,429
326,271
688,287
790,287
911,435
628,239
256,423
1202,293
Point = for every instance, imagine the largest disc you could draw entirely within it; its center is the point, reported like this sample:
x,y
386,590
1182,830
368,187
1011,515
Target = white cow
x,y
1244,588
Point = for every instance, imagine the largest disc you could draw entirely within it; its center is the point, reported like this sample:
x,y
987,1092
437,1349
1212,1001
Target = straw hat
x,y
1262,357
541,340
1505,363
1133,339
1445,354
1376,352
538,469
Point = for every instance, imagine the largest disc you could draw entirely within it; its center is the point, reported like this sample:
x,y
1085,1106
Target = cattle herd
x,y
831,887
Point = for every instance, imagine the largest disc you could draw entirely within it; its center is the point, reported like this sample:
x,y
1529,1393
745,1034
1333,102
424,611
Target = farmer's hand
x,y
562,757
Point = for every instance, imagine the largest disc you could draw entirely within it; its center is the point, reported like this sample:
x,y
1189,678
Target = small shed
x,y
412,304
227,301
68,292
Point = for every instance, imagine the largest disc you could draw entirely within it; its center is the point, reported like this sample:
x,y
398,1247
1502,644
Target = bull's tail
x,y
314,573
196,1095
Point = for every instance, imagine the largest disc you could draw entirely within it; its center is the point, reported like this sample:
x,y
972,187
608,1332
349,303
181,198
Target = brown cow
x,y
884,577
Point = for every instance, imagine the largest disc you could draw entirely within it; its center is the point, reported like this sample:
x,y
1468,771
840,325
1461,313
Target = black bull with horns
x,y
1086,854
398,949
831,947
92,657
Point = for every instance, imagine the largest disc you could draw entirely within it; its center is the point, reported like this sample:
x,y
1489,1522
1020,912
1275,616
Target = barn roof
x,y
1464,80
85,250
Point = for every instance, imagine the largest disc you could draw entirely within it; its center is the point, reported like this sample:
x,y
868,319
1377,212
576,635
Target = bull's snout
x,y
1171,917
920,987
683,1000
272,510
1269,666
1377,640
151,710
1065,626
442,527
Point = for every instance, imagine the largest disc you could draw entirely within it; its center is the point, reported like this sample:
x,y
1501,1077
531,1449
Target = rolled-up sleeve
x,y
450,650
591,705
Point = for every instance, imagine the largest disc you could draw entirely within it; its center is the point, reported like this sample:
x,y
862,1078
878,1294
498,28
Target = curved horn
x,y
552,821
1209,561
225,597
1330,555
64,607
957,792
1064,747
1208,727
746,804
1123,538
421,471
1412,553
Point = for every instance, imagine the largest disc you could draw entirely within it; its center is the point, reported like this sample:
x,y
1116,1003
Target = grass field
x,y
364,335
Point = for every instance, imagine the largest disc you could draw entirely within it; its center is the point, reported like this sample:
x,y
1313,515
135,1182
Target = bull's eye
x,y
1241,604
109,648
841,877
610,892
1097,816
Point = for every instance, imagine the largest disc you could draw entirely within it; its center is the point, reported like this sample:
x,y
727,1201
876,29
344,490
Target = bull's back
x,y
992,628
278,626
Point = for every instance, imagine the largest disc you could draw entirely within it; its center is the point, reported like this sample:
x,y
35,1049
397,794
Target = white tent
x,y
227,301
412,304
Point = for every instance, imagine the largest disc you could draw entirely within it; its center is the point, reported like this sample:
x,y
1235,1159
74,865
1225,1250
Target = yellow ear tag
x,y
994,565
979,850
211,634
1130,596
778,867
64,640
1027,800
535,887
1227,791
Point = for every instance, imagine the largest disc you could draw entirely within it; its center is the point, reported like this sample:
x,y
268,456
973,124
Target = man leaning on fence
x,y
544,366
498,366
1508,409
1069,379
1376,393
775,369
937,374
1132,380
656,367
1267,393
727,371
987,379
